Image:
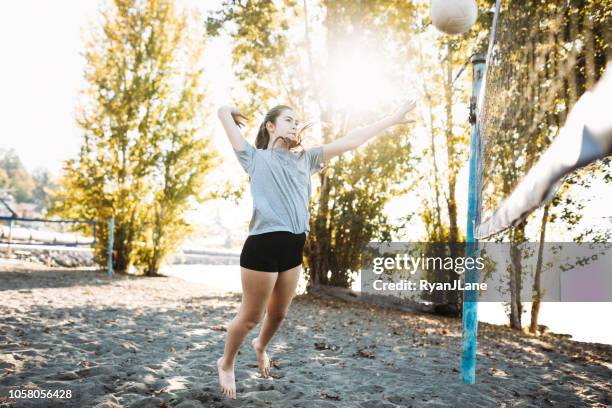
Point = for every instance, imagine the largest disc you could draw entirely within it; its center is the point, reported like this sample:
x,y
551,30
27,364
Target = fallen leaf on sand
x,y
365,353
496,372
330,395
323,345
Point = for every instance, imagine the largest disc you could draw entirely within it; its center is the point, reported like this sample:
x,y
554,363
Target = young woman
x,y
271,258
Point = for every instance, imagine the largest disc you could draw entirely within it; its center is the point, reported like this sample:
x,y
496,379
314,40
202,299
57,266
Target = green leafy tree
x,y
548,54
16,177
4,179
348,208
442,67
45,187
143,159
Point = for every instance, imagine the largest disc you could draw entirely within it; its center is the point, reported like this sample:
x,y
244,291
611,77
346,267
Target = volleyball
x,y
453,16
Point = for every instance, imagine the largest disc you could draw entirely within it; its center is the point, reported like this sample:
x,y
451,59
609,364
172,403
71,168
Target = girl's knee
x,y
249,320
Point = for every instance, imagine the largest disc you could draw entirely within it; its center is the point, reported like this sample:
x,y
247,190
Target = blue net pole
x,y
470,300
111,227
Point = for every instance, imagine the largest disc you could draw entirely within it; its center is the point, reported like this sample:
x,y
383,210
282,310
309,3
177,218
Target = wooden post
x,y
10,238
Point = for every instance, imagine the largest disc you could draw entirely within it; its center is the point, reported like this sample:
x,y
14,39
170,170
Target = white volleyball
x,y
453,16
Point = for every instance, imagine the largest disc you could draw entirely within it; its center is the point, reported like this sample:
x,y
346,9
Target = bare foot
x,y
226,380
263,362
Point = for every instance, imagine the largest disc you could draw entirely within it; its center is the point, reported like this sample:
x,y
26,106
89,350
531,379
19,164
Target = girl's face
x,y
286,125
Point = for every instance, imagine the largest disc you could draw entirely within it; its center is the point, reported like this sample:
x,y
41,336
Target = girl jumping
x,y
271,258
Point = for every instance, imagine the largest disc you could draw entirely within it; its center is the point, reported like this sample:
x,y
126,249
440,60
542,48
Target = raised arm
x,y
231,119
357,137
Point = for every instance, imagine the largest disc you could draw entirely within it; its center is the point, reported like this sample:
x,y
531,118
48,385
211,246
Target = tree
x,y
4,179
440,64
143,160
548,54
347,211
15,176
45,186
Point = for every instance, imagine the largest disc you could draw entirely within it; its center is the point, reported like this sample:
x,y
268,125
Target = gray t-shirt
x,y
280,186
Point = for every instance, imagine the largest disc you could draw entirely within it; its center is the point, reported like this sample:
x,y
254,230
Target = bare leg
x,y
283,293
256,291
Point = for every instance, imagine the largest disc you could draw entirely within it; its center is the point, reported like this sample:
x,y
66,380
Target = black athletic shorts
x,y
275,251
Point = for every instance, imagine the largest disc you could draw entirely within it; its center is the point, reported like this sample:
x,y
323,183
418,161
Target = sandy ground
x,y
153,342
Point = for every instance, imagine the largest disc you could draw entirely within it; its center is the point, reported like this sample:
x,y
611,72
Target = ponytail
x,y
263,138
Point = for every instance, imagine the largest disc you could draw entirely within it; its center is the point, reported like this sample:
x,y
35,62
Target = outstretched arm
x,y
357,137
231,119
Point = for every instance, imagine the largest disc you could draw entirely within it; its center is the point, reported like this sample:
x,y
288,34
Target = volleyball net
x,y
544,105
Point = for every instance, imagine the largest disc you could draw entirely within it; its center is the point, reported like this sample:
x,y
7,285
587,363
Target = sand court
x,y
139,342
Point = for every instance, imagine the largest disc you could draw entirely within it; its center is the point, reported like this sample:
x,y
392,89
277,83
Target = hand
x,y
236,115
399,117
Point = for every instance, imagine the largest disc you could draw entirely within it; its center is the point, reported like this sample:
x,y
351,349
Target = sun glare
x,y
361,80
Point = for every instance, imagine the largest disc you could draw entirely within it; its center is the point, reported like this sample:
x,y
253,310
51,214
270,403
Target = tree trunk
x,y
453,236
432,131
121,261
319,260
450,146
537,294
516,307
319,245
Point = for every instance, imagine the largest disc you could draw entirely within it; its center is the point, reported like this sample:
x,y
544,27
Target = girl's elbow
x,y
222,111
